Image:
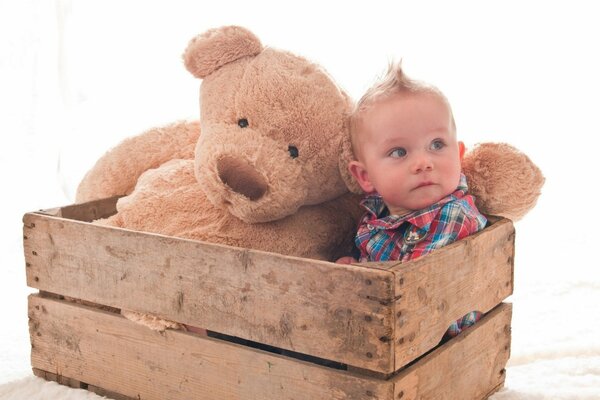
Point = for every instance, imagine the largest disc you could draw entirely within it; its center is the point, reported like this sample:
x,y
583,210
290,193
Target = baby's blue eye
x,y
398,153
437,144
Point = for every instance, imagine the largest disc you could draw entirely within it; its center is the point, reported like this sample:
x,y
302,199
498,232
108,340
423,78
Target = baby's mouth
x,y
424,184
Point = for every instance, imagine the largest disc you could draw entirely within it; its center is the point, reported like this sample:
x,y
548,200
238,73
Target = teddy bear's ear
x,y
216,47
347,155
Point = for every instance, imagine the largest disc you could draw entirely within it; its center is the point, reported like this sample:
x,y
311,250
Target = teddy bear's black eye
x,y
243,122
293,151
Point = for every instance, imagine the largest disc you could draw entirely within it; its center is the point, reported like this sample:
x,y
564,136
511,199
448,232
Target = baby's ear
x,y
214,48
461,150
360,174
346,156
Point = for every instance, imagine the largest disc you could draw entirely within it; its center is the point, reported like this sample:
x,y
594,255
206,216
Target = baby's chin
x,y
425,197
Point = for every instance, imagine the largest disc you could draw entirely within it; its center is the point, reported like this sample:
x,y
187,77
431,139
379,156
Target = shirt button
x,y
370,227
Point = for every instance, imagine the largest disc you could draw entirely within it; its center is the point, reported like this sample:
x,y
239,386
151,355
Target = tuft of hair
x,y
393,82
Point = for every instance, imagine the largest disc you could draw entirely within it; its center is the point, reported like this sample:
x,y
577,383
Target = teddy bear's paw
x,y
151,321
504,181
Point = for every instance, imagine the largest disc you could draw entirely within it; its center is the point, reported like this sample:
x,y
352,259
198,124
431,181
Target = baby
x,y
408,161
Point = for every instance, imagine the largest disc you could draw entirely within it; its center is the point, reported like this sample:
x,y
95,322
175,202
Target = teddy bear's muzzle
x,y
242,177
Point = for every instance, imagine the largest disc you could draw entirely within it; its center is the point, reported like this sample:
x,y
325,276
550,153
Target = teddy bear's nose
x,y
240,176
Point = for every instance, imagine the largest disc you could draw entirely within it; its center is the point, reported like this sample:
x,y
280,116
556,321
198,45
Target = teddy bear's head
x,y
271,124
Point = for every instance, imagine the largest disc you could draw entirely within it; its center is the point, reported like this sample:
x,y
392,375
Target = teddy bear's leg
x,y
117,171
158,324
150,321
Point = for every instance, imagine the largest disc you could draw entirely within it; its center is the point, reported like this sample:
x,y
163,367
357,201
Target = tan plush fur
x,y
269,170
117,171
503,180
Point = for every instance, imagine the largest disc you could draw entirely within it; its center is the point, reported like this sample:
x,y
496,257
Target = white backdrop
x,y
76,77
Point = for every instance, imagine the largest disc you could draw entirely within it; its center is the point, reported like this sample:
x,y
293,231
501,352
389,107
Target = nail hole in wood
x,y
368,282
34,253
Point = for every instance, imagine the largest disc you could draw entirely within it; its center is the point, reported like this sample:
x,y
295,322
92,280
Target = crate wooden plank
x,y
63,380
433,291
105,350
376,316
89,211
109,354
70,382
470,366
332,311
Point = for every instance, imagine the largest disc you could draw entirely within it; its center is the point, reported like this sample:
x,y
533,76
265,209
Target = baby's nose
x,y
422,163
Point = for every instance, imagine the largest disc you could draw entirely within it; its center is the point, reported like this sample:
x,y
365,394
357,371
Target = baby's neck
x,y
398,211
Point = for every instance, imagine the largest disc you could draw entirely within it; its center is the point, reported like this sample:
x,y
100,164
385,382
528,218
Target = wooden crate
x,y
305,329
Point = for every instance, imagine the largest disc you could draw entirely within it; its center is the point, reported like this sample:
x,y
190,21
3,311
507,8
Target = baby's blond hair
x,y
395,81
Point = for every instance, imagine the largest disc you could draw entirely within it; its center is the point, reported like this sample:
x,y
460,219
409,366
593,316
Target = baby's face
x,y
409,151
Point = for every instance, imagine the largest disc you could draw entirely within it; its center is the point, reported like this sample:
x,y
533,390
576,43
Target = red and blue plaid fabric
x,y
461,324
383,237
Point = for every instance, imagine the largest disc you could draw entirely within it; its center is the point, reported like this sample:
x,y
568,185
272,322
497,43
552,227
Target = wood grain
x,y
474,274
470,366
332,311
90,348
87,212
375,316
105,350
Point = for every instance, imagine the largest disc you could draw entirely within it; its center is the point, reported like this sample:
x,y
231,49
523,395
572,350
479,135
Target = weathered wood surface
x,y
332,311
470,366
101,351
108,351
376,316
86,212
469,275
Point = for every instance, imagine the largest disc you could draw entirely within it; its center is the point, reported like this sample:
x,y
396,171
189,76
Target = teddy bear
x,y
266,166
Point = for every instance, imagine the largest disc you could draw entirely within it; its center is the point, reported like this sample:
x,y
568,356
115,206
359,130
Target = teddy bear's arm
x,y
118,170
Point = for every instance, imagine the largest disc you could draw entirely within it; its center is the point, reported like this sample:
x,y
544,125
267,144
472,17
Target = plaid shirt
x,y
383,237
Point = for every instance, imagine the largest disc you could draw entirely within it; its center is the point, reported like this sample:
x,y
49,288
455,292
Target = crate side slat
x,y
108,351
471,366
92,210
338,312
475,273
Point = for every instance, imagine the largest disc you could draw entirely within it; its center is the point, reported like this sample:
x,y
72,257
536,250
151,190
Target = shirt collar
x,y
377,210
